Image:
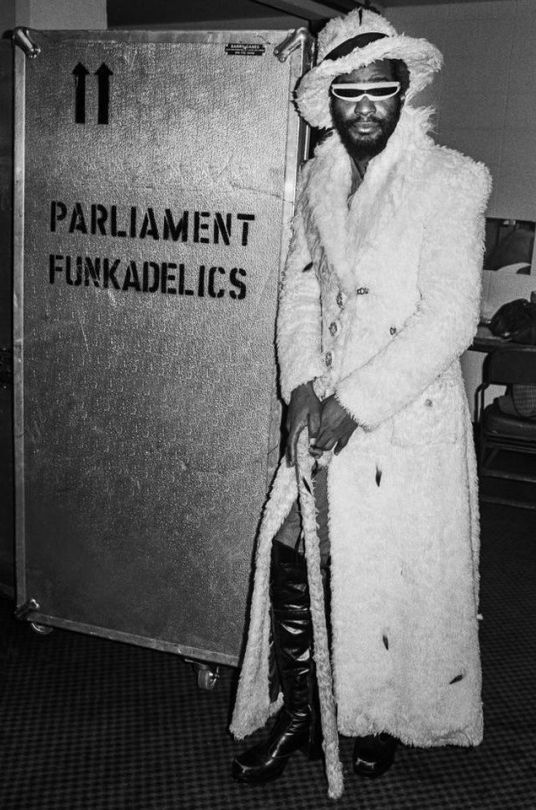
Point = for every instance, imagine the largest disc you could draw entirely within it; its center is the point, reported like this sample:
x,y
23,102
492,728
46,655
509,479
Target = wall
x,y
53,14
486,90
62,14
485,96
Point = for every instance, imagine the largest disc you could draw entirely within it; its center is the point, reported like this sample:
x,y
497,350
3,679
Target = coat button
x,y
329,359
333,329
392,330
339,300
362,291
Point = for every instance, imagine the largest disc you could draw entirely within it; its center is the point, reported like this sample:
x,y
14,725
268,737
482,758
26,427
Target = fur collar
x,y
382,194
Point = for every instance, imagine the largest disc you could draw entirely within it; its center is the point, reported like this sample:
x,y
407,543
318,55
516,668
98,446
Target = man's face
x,y
366,125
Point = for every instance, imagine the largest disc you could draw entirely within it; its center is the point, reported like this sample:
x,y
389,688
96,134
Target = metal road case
x,y
154,181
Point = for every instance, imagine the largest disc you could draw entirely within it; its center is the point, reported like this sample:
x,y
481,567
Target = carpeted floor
x,y
90,724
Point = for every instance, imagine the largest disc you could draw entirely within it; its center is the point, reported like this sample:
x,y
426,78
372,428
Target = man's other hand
x,y
336,427
303,411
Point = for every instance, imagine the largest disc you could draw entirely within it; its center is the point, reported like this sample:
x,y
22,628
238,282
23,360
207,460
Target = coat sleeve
x,y
299,316
447,315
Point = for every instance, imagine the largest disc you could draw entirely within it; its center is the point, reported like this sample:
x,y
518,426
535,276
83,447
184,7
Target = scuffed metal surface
x,y
149,415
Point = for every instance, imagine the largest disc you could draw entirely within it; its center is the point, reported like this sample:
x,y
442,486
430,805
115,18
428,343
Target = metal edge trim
x,y
297,145
18,318
268,36
297,140
132,638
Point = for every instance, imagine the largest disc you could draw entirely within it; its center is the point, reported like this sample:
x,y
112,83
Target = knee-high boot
x,y
296,726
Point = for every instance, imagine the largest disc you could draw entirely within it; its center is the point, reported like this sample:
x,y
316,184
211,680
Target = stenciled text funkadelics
x,y
148,276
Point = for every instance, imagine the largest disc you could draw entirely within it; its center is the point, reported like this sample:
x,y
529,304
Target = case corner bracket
x,y
24,610
300,37
21,38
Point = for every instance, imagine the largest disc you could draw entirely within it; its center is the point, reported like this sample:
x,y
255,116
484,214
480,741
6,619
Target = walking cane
x,y
304,468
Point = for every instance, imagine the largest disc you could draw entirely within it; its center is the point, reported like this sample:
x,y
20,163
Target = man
x,y
380,298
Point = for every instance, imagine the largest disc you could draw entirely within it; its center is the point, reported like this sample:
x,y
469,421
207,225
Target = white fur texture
x,y
402,494
328,712
312,92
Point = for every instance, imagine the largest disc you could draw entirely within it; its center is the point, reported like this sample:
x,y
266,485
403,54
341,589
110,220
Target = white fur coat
x,y
378,303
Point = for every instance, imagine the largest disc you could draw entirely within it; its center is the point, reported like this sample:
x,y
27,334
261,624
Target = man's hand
x,y
303,411
336,427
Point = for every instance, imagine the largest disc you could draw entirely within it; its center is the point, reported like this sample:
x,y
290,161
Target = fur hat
x,y
338,53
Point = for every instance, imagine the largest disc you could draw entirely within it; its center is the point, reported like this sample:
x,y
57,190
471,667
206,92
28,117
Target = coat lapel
x,y
345,235
326,195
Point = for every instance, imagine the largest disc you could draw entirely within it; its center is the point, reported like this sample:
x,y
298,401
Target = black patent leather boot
x,y
374,754
297,725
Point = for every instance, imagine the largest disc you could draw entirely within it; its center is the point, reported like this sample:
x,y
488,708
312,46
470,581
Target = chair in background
x,y
506,444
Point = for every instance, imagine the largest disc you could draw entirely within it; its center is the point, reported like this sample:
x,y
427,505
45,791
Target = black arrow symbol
x,y
104,74
80,72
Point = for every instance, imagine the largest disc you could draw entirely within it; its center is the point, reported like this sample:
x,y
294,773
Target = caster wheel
x,y
207,675
207,678
41,629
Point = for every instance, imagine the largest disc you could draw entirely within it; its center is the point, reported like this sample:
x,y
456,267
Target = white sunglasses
x,y
375,91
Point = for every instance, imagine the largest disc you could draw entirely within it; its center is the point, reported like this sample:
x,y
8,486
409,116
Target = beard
x,y
362,146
